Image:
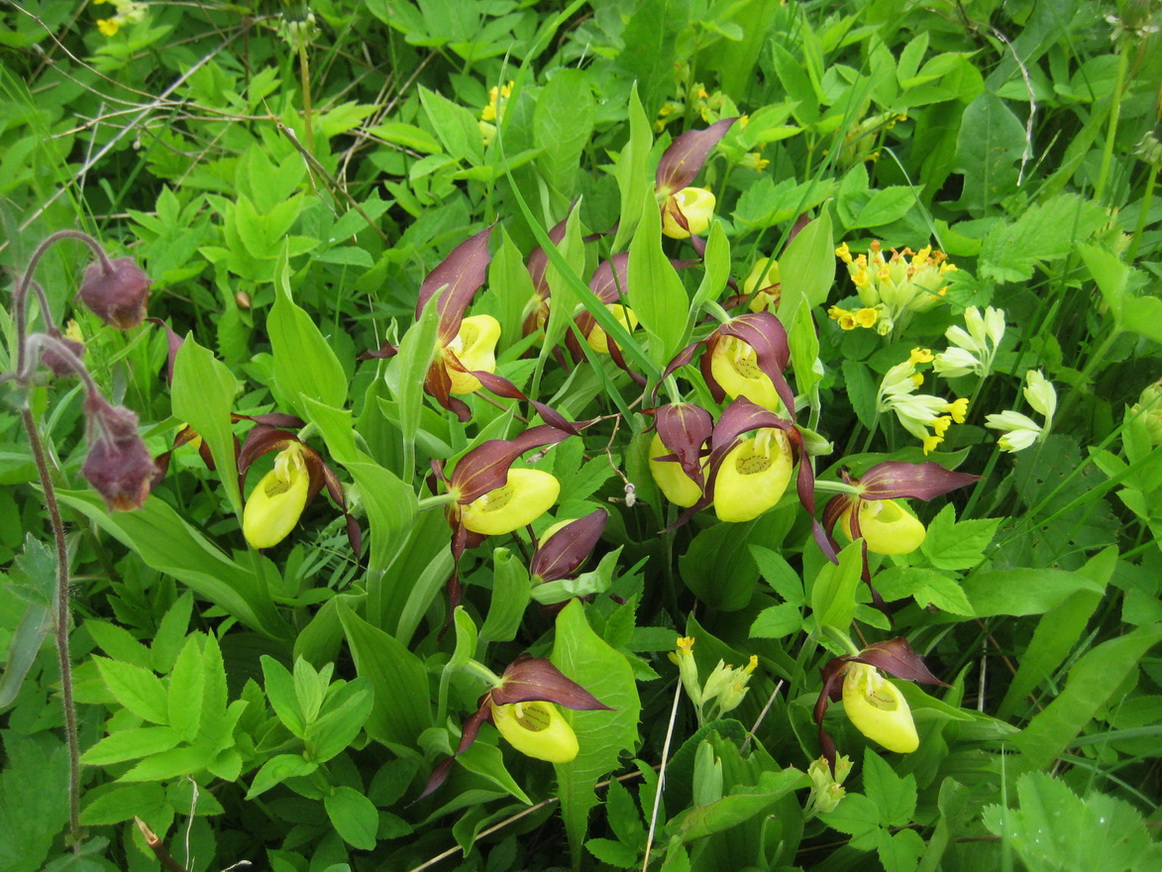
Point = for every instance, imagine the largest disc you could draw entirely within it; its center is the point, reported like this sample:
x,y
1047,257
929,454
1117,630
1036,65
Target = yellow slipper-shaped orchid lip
x,y
277,503
694,206
886,527
878,710
525,496
474,348
669,476
537,730
734,365
753,476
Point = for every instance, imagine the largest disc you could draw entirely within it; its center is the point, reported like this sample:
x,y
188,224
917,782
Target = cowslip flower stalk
x,y
1019,431
724,689
972,350
925,416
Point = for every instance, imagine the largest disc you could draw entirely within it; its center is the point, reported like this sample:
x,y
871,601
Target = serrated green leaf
x,y
131,744
138,689
894,795
187,688
776,622
957,545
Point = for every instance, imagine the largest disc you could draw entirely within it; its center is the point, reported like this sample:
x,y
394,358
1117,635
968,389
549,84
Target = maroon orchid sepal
x,y
461,274
527,679
765,333
685,429
561,553
686,155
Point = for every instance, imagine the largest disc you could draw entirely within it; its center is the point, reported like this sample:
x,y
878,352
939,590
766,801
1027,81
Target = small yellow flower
x,y
920,355
753,476
278,501
525,496
537,730
866,317
108,26
877,709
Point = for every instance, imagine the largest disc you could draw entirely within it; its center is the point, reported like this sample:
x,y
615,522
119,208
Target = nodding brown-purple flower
x,y
118,466
116,292
686,211
565,546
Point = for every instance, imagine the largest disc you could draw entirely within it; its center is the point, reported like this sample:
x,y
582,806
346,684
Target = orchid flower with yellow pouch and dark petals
x,y
522,706
686,211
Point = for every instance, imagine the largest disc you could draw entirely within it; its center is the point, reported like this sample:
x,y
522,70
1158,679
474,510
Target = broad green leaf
x,y
631,170
123,803
779,574
718,566
1045,232
510,596
417,350
957,545
280,690
345,716
776,622
407,135
804,345
807,268
562,127
118,643
1023,591
717,263
166,543
353,816
203,394
648,57
34,799
928,587
1142,315
833,592
171,633
487,761
510,289
857,816
894,795
739,806
187,687
398,679
1056,634
602,735
456,127
990,143
131,744
656,292
278,769
136,688
861,390
305,365
899,851
1091,683
885,206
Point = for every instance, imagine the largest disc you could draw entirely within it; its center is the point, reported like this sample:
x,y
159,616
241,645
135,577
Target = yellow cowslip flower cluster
x,y
904,284
1019,431
126,12
493,112
925,416
850,320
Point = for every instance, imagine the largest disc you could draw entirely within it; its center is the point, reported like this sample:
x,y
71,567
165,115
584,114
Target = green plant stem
x,y
61,623
305,79
1112,131
1094,359
1143,214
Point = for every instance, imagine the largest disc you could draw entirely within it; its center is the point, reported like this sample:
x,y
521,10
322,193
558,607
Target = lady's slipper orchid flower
x,y
608,284
872,703
889,529
525,495
565,546
473,348
677,452
753,476
745,357
277,502
686,211
522,706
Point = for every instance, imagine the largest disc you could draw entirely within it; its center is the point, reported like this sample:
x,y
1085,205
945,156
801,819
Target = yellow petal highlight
x,y
878,710
753,476
696,205
886,527
475,348
278,501
537,730
525,496
625,316
735,367
671,478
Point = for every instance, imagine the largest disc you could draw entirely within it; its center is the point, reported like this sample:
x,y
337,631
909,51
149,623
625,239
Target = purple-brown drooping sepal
x,y
117,295
119,466
684,159
561,553
461,275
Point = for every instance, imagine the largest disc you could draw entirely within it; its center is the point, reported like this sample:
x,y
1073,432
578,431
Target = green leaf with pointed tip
x,y
510,596
632,170
602,735
833,593
203,396
807,268
656,293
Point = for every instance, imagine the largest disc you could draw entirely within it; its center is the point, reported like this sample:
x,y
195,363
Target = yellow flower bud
x,y
886,527
537,730
278,501
525,496
877,709
475,347
670,477
753,476
696,205
735,367
597,339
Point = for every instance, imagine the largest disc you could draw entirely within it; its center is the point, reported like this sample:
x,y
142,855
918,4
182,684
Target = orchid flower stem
x,y
715,309
480,670
672,390
838,487
429,503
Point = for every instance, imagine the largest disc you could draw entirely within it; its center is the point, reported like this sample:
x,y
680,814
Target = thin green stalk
x,y
1143,214
1112,131
305,78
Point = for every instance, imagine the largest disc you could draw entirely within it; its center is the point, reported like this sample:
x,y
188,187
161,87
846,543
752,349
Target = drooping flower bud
x,y
53,355
119,466
117,296
277,503
565,546
765,283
